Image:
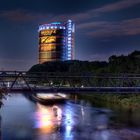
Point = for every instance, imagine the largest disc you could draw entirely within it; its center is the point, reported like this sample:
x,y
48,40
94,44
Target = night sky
x,y
103,28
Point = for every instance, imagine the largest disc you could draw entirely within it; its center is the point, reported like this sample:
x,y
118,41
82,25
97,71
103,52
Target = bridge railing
x,y
9,79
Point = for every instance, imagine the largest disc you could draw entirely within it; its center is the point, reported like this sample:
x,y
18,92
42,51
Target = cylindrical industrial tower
x,y
56,42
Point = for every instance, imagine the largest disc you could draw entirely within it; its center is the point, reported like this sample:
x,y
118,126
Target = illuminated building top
x,y
54,25
56,41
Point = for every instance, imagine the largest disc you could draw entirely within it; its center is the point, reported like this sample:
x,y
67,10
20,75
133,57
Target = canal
x,y
23,119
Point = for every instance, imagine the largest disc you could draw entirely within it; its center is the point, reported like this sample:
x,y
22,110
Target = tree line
x,y
115,64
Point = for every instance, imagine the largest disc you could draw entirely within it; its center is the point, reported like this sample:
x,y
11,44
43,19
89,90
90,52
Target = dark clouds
x,y
110,29
103,28
52,6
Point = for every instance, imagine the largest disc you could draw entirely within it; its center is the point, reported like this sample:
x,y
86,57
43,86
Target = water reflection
x,y
54,122
0,129
70,121
48,118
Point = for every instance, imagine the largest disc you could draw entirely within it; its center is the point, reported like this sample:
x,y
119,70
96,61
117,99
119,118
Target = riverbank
x,y
126,101
126,134
1,96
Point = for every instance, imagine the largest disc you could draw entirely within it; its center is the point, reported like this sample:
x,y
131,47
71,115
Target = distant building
x,y
56,41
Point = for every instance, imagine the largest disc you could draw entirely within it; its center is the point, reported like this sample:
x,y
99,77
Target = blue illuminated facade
x,y
56,41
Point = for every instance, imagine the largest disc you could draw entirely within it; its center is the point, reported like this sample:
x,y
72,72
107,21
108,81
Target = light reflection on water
x,y
47,119
25,120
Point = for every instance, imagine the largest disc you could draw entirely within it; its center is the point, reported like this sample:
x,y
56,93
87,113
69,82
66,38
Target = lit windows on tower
x,y
56,41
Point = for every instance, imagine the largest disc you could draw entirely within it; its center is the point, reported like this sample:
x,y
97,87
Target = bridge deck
x,y
78,90
75,82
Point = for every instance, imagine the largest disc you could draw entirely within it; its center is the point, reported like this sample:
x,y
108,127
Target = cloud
x,y
105,56
11,64
79,17
93,29
123,4
22,15
99,57
109,29
94,25
90,14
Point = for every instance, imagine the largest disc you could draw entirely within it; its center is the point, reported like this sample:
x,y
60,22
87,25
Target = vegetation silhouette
x,y
115,65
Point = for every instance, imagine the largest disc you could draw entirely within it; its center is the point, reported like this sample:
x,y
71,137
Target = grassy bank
x,y
127,101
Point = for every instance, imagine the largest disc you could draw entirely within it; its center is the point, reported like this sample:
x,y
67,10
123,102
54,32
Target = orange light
x,y
48,39
48,118
47,32
48,47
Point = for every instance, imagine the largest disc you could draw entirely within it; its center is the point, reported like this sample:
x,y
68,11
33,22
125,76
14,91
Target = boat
x,y
49,98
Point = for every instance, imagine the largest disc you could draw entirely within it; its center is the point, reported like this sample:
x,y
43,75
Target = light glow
x,y
48,118
48,39
53,38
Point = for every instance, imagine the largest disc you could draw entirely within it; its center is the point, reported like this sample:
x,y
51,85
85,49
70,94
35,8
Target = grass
x,y
128,101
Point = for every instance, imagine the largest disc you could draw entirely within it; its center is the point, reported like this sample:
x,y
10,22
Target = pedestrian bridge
x,y
22,81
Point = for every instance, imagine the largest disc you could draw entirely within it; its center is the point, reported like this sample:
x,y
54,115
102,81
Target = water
x,y
22,119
